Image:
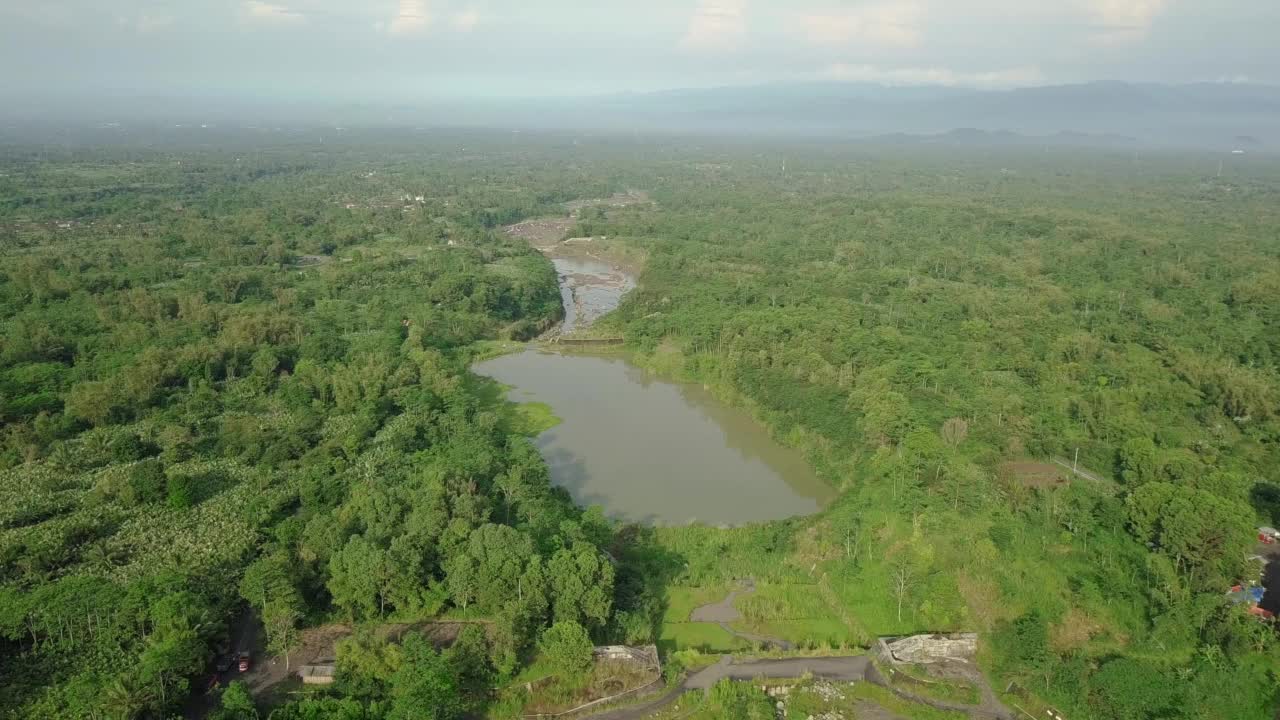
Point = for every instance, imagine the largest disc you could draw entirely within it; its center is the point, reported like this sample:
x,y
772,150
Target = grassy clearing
x,y
488,349
860,693
812,633
704,637
543,688
918,681
692,660
805,699
683,600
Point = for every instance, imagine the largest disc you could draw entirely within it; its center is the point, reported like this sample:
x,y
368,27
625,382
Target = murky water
x,y
656,451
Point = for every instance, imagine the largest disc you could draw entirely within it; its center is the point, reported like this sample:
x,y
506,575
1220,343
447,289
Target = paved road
x,y
837,669
842,669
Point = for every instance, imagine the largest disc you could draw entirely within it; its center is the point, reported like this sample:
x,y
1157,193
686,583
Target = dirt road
x,y
989,706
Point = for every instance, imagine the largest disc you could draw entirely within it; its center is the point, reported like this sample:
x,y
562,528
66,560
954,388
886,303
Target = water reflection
x,y
651,450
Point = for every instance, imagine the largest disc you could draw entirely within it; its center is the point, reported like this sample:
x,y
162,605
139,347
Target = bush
x,y
147,482
237,704
567,645
182,491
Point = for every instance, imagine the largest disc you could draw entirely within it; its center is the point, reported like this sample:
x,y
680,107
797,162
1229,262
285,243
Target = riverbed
x,y
589,288
655,451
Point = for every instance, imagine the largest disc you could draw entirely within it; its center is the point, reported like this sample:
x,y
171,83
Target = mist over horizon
x,y
1156,71
1202,115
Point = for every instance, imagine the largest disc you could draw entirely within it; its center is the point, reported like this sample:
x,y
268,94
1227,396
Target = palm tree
x,y
123,699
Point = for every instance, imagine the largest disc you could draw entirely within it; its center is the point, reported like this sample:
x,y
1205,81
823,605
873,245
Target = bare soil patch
x,y
1033,474
616,200
315,645
544,233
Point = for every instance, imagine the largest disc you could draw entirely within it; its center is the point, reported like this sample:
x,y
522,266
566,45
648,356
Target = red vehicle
x,y
244,662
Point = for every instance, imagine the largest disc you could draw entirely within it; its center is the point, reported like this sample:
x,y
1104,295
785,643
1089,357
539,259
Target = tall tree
x,y
581,585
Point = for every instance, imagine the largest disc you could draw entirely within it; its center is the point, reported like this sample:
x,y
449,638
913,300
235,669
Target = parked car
x,y
244,662
224,662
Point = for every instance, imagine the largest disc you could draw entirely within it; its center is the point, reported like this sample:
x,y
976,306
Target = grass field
x,y
917,680
704,637
683,600
808,699
812,633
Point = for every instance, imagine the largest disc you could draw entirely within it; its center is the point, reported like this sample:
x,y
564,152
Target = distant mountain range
x,y
1205,115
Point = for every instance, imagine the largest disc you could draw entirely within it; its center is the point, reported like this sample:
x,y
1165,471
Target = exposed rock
x,y
925,649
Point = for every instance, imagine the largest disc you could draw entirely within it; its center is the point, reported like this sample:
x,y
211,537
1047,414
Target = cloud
x,y
1124,20
411,18
895,23
40,13
146,24
265,12
716,25
1007,78
465,20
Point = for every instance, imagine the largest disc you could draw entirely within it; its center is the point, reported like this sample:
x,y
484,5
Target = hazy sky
x,y
409,49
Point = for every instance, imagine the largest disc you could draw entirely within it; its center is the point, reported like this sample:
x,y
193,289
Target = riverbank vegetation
x,y
915,324
237,376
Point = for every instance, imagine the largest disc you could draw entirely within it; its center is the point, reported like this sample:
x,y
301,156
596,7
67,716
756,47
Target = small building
x,y
317,674
1250,597
644,656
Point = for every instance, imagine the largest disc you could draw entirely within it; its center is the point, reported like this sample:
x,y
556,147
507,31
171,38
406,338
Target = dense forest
x,y
234,380
917,322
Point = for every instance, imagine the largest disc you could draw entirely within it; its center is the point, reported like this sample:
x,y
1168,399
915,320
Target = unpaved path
x,y
867,710
1075,469
722,613
989,709
968,672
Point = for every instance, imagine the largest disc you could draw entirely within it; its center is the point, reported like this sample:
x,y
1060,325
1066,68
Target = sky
x,y
390,50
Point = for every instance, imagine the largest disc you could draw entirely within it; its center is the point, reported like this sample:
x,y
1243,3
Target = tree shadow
x,y
1265,498
568,472
1271,582
645,570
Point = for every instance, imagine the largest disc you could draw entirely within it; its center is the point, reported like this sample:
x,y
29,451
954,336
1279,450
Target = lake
x,y
655,451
